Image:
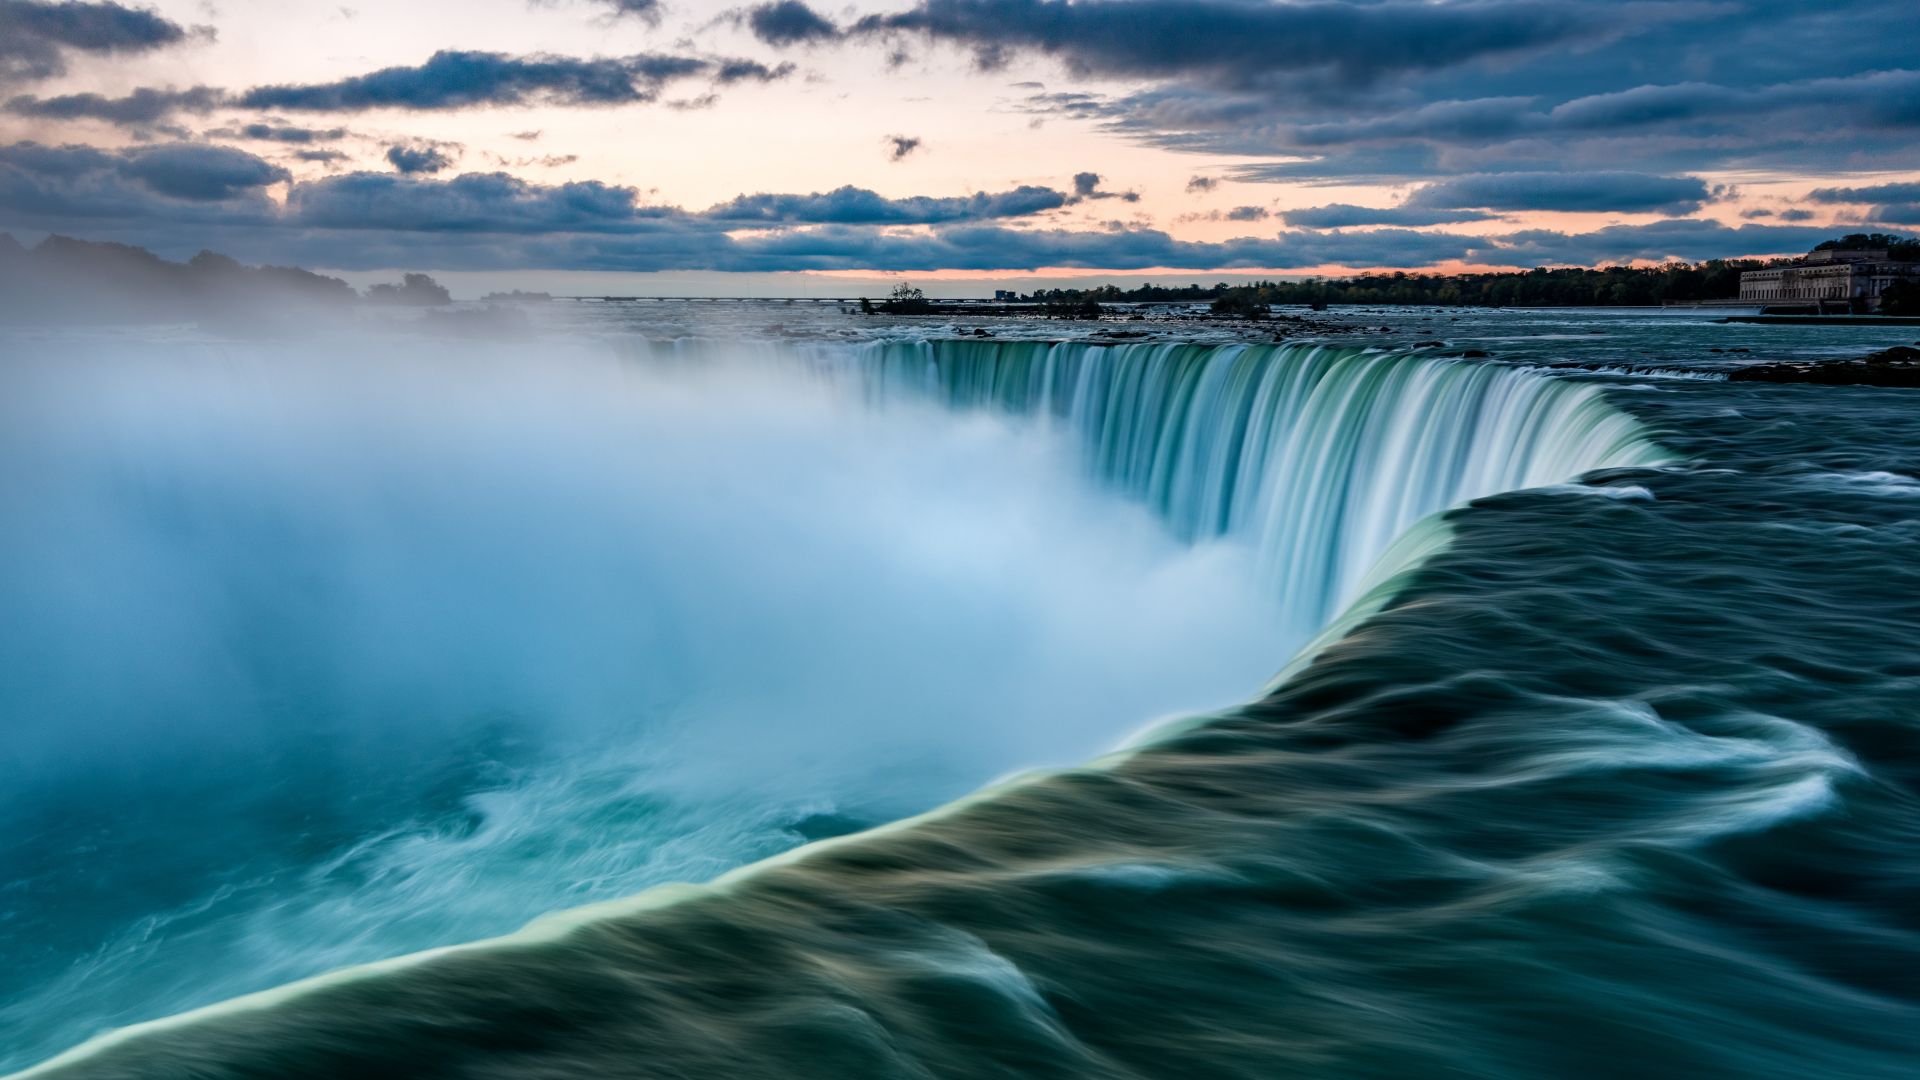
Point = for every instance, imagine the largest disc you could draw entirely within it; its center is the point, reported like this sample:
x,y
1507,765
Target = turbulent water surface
x,y
320,656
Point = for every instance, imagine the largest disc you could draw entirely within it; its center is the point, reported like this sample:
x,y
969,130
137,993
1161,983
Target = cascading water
x,y
1318,456
1314,458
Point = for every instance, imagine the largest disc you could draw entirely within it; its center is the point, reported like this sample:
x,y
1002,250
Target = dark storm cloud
x,y
496,219
199,172
455,80
36,36
182,197
1086,186
728,72
678,244
1342,215
142,107
789,22
498,202
1874,193
1885,99
470,203
986,247
1687,239
175,182
1236,43
413,160
1877,98
1709,120
283,133
56,162
1555,85
1840,123
1594,191
858,206
1893,204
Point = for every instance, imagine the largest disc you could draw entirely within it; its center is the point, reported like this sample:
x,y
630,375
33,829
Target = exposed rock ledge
x,y
1898,366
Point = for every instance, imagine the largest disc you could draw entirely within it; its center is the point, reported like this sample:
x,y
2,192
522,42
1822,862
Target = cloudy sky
x,y
958,139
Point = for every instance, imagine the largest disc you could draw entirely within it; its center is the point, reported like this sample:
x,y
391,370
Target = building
x,y
1830,279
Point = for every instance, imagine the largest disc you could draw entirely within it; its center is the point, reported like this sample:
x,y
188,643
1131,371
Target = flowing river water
x,y
1593,746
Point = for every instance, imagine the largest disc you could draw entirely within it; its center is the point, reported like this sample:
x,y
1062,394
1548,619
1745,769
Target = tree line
x,y
62,279
1623,286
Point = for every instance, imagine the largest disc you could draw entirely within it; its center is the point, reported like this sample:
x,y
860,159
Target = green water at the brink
x,y
1319,455
1622,779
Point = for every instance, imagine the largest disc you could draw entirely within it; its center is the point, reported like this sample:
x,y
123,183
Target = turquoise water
x,y
1619,778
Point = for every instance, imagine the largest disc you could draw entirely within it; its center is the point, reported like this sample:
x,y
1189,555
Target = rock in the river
x,y
1898,366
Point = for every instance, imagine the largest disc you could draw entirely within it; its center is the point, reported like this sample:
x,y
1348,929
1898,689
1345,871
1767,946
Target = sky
x,y
785,147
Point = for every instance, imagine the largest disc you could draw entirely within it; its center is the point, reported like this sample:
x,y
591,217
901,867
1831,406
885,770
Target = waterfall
x,y
1329,463
1319,456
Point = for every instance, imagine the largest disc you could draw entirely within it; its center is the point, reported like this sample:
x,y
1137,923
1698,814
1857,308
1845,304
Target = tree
x,y
1901,298
905,299
414,290
1072,306
1245,303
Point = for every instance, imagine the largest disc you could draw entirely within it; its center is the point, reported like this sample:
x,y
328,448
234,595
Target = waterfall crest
x,y
1319,456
